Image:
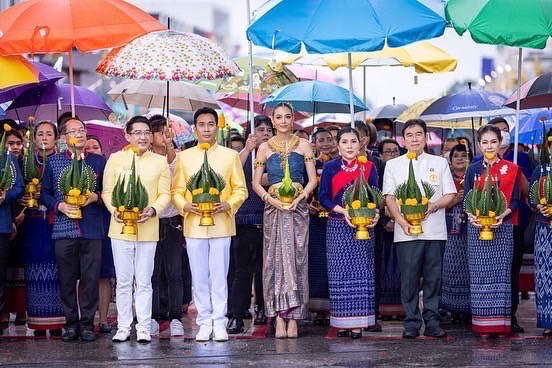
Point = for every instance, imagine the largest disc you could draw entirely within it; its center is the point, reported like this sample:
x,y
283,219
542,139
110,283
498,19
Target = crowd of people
x,y
299,255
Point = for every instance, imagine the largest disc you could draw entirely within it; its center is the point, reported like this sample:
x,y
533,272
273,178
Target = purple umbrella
x,y
46,75
50,101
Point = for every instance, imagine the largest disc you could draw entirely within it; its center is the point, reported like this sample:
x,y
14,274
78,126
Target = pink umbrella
x,y
240,100
110,134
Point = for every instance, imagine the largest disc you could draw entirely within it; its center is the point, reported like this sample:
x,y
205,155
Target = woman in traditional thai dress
x,y
456,275
319,297
44,308
389,302
285,227
543,255
350,261
490,261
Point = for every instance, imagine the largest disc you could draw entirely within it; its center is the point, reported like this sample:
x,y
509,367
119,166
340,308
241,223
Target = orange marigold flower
x,y
355,204
7,127
221,121
204,146
35,181
213,191
73,141
362,159
135,209
121,208
492,214
490,155
543,201
371,205
135,149
411,155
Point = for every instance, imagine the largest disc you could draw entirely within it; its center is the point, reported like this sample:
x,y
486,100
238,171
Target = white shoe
x,y
176,328
154,329
219,332
143,336
122,335
204,333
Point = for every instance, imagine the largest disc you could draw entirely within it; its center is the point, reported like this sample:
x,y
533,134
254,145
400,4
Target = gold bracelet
x,y
264,197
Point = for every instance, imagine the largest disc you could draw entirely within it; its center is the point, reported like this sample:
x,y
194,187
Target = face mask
x,y
447,155
505,139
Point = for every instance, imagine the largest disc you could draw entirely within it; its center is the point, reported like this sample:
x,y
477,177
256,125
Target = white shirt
x,y
170,210
432,169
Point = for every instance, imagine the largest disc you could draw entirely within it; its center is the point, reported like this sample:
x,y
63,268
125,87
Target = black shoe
x,y
105,328
88,336
547,333
343,333
228,315
525,296
374,328
410,333
56,332
435,331
39,333
517,328
260,317
356,335
247,315
71,334
235,326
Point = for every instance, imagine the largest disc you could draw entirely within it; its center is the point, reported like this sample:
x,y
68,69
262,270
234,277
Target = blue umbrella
x,y
329,26
469,103
531,127
315,96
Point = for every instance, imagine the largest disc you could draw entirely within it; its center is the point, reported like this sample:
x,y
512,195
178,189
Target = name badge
x,y
433,178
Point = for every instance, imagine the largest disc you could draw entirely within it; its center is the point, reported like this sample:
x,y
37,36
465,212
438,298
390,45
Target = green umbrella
x,y
526,23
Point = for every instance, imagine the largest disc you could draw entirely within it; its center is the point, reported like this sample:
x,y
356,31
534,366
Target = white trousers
x,y
209,260
134,261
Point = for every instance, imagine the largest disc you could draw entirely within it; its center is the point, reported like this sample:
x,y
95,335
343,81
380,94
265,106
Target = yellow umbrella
x,y
425,57
15,71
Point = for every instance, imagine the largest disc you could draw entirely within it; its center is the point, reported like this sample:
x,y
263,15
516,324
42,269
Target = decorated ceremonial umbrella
x,y
498,22
169,56
46,75
152,93
326,26
49,101
50,26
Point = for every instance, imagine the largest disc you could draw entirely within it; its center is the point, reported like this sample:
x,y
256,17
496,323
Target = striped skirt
x,y
490,263
543,274
456,276
350,276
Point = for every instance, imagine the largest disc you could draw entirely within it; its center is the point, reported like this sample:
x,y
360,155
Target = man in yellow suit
x,y
209,246
134,255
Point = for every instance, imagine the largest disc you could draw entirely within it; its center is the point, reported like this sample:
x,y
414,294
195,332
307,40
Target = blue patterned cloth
x,y
490,263
543,274
456,276
318,267
350,277
276,173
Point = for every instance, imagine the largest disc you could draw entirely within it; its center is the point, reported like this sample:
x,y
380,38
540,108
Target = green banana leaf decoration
x,y
362,199
30,170
287,189
408,194
131,195
485,198
541,190
74,180
205,185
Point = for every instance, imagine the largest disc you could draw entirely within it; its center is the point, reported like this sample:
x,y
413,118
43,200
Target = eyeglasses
x,y
75,131
391,152
139,133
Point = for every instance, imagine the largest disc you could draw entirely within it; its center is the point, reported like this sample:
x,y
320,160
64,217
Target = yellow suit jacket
x,y
224,161
154,174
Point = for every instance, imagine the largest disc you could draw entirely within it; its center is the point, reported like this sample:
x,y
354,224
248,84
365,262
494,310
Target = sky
x,y
383,83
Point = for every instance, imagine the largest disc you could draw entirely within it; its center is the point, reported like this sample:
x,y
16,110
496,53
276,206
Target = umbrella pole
x,y
351,101
251,97
168,91
518,103
473,134
71,83
364,88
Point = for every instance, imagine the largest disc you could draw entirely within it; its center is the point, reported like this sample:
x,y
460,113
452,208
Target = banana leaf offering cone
x,y
76,183
486,201
541,190
361,201
411,200
31,174
130,198
7,172
205,186
286,191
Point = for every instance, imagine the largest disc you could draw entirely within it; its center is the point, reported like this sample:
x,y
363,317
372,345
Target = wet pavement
x,y
316,346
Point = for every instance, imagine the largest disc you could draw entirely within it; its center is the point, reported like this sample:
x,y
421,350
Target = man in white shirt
x,y
420,255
